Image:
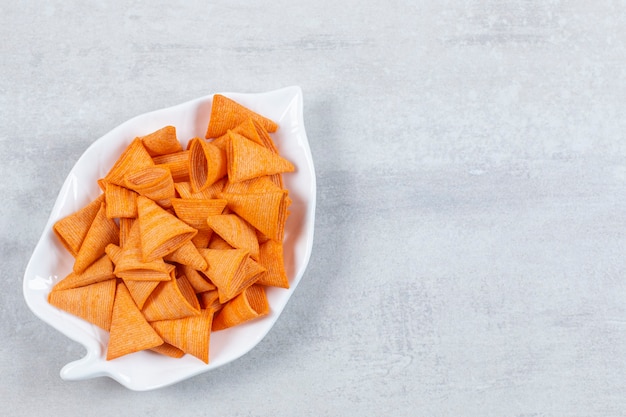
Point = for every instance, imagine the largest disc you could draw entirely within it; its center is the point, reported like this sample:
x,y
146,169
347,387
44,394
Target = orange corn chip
x,y
245,129
195,211
100,270
201,240
168,350
140,290
264,137
162,141
93,303
156,183
197,279
120,201
161,232
177,163
250,304
227,114
101,232
134,158
236,231
187,254
271,258
218,243
171,299
131,266
209,300
254,185
114,252
247,159
207,164
71,230
126,224
227,271
130,332
190,334
184,190
264,211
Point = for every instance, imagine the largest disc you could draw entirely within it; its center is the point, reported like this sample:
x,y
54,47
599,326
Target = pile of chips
x,y
180,242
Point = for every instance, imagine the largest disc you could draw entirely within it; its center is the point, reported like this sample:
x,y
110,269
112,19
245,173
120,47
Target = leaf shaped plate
x,y
50,262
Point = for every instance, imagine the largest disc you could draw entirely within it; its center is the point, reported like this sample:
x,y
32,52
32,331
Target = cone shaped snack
x,y
177,163
161,232
100,270
114,252
93,303
71,230
247,159
126,224
162,141
227,114
217,242
184,190
120,201
101,232
131,266
130,332
236,231
227,271
190,334
261,184
154,182
197,279
209,300
264,211
271,258
140,290
172,299
249,305
246,129
207,164
194,212
168,350
202,238
187,254
134,158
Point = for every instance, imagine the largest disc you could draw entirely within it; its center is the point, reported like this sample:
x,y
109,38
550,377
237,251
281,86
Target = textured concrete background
x,y
469,252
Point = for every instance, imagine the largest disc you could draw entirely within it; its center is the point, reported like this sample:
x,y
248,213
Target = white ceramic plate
x,y
50,262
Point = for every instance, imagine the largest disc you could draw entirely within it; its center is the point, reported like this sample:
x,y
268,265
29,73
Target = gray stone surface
x,y
469,251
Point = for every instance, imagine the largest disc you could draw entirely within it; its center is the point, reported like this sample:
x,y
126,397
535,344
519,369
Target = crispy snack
x,y
100,270
168,350
177,163
134,158
154,182
207,164
271,258
121,201
194,212
237,232
227,114
190,334
265,211
130,332
101,232
162,141
250,304
247,160
93,303
71,230
172,299
227,271
161,232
